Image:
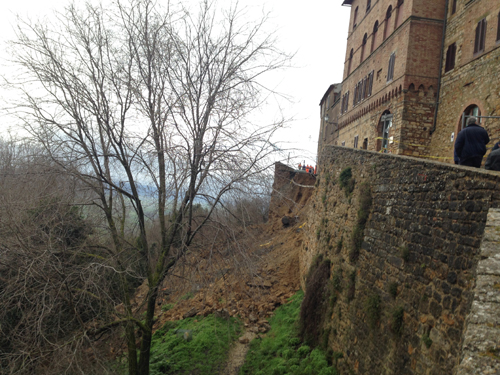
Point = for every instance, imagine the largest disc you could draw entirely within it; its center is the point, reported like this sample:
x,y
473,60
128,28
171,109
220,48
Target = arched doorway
x,y
384,126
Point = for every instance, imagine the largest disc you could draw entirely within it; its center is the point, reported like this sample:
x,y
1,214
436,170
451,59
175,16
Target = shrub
x,y
303,351
345,177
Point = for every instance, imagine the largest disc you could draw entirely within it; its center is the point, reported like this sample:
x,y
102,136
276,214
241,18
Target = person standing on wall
x,y
471,142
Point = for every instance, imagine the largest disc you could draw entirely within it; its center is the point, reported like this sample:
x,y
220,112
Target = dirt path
x,y
237,354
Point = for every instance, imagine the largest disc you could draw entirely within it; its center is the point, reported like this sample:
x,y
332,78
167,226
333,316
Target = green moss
x,y
167,306
393,289
405,253
357,235
397,320
345,177
205,353
372,309
337,280
340,244
187,296
351,287
281,351
426,340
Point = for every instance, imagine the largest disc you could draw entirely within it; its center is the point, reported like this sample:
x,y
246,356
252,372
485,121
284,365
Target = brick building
x,y
401,56
329,115
470,82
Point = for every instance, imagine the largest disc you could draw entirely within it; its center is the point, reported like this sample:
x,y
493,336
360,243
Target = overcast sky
x,y
316,32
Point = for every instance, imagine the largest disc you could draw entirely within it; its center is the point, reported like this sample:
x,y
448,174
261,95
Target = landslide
x,y
253,280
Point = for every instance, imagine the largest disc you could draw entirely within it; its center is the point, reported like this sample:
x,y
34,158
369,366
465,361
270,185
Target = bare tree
x,y
148,108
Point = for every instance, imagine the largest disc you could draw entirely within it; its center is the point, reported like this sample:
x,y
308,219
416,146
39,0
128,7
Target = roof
x,y
347,2
336,87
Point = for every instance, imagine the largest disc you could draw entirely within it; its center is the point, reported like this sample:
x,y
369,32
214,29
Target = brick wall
x,y
418,258
415,37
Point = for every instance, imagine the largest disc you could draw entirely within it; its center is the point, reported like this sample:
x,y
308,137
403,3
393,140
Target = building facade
x,y
412,69
470,81
329,115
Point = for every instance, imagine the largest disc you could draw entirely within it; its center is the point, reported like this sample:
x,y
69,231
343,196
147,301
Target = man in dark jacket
x,y
471,142
493,160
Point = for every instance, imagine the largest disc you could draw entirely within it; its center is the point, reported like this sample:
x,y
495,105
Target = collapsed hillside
x,y
250,281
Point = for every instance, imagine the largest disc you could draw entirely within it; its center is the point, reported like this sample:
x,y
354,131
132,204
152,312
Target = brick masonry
x,y
412,96
420,255
475,80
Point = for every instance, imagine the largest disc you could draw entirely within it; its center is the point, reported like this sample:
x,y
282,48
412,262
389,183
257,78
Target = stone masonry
x,y
481,349
401,304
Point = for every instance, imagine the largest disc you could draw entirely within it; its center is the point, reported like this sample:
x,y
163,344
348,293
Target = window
x,y
368,5
345,103
480,36
498,28
387,22
343,143
399,14
454,7
365,144
363,89
355,18
365,37
450,57
472,110
356,141
390,69
349,63
374,37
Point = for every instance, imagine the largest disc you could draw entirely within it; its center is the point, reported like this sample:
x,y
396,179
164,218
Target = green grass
x,y
281,351
205,351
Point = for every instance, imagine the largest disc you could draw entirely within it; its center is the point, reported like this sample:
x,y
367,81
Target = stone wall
x,y
400,301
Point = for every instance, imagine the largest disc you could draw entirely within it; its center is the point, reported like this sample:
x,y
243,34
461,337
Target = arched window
x,y
365,38
349,63
355,18
399,14
368,5
383,131
387,27
472,110
374,37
